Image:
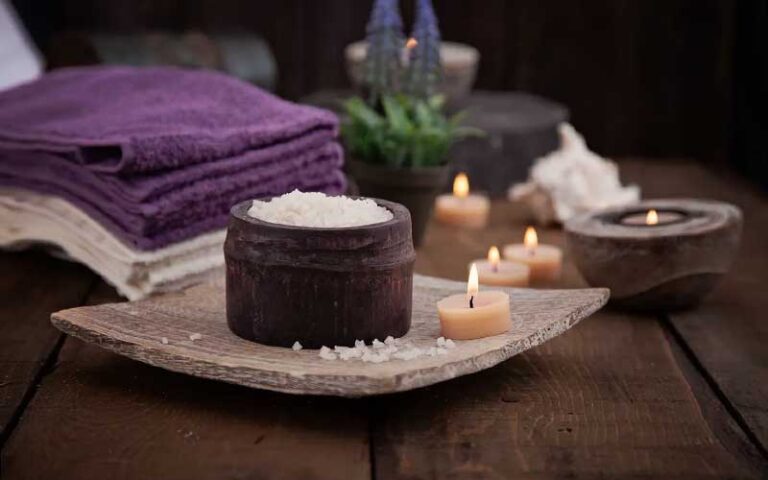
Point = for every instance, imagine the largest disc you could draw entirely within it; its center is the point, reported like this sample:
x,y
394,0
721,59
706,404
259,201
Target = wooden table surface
x,y
683,395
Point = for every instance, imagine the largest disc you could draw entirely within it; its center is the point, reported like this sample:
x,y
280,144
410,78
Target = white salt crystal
x,y
450,343
390,340
296,346
318,210
377,344
327,354
195,336
441,351
359,344
441,342
164,341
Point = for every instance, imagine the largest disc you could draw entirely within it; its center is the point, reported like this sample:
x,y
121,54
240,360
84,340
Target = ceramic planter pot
x,y
416,188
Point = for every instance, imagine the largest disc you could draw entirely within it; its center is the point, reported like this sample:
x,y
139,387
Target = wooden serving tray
x,y
135,329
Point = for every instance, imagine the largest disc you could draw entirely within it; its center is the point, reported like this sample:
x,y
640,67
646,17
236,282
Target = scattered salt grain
x,y
195,336
318,210
327,354
389,349
296,346
164,341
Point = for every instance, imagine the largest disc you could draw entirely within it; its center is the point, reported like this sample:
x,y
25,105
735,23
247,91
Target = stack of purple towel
x,y
158,155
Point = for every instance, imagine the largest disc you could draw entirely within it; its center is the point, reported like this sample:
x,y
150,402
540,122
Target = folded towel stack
x,y
156,156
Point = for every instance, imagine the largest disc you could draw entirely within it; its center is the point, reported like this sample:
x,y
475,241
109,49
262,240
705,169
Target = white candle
x,y
495,271
545,261
462,209
474,314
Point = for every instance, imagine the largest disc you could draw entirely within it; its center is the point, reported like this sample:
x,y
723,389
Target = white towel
x,y
19,60
28,218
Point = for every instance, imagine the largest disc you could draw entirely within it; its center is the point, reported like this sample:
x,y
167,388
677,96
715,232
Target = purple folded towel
x,y
127,120
153,155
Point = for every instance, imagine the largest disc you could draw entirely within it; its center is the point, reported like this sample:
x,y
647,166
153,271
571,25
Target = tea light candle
x,y
652,218
495,271
476,314
545,261
462,209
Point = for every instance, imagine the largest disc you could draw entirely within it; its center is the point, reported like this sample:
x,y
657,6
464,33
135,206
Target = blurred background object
x,y
459,63
20,60
680,78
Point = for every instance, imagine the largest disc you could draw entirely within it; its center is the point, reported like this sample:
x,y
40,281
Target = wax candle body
x,y
490,315
470,211
545,261
506,274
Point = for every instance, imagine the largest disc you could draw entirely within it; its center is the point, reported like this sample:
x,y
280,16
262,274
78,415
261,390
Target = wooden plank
x,y
98,415
32,285
610,399
607,400
728,332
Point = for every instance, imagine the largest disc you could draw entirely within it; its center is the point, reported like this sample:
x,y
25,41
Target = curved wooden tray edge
x,y
79,323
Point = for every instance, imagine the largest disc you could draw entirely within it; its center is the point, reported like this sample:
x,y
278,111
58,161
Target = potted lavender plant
x,y
398,137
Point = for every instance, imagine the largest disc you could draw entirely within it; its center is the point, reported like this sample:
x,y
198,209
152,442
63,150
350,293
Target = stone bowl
x,y
668,266
318,286
459,61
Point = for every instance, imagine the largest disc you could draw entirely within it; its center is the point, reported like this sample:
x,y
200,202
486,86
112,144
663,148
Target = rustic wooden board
x,y
135,330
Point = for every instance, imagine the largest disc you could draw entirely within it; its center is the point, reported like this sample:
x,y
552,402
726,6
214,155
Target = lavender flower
x,y
384,34
425,69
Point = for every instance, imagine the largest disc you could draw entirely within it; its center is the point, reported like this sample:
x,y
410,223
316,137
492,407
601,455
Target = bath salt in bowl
x,y
318,270
318,210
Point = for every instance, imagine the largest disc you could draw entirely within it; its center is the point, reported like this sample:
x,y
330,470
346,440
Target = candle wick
x,y
472,301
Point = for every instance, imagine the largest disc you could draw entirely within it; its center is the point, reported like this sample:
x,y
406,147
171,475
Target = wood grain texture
x,y
727,333
31,286
318,286
98,415
606,400
135,330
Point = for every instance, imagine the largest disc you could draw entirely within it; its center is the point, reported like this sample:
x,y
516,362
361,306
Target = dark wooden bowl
x,y
318,286
663,267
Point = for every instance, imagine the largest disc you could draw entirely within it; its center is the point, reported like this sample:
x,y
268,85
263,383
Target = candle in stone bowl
x,y
462,209
656,255
652,217
545,261
495,271
475,314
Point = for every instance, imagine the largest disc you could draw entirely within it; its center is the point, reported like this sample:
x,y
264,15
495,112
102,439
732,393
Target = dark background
x,y
675,78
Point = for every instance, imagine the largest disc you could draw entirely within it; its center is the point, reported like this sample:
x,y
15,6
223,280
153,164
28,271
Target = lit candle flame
x,y
461,185
494,257
472,284
652,218
531,240
411,43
